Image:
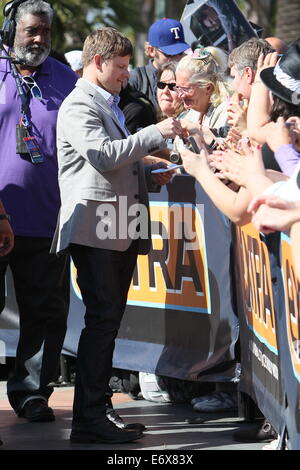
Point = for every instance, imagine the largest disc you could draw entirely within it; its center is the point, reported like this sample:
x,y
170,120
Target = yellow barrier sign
x,y
174,274
257,286
292,303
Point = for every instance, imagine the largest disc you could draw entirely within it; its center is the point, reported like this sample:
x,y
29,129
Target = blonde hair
x,y
220,57
205,69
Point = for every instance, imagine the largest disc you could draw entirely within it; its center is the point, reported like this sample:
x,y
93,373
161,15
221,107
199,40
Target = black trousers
x,y
42,286
104,278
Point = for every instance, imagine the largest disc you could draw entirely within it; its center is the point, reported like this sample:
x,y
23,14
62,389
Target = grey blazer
x,y
101,174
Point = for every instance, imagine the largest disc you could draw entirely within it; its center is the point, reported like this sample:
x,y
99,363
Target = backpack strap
x,y
145,82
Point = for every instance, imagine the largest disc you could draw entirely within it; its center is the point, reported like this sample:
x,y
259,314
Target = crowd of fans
x,y
243,111
239,175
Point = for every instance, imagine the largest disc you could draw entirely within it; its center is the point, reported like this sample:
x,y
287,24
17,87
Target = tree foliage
x,y
278,17
75,19
288,17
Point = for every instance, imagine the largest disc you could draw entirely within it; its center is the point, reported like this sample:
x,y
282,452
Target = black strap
x,y
21,92
145,80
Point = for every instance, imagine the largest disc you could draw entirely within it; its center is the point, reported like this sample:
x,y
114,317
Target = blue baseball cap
x,y
168,36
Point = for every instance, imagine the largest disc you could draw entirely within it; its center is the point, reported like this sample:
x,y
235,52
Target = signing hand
x,y
170,127
161,178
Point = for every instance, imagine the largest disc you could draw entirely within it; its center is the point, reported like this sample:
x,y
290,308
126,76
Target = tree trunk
x,y
146,8
260,12
174,9
287,20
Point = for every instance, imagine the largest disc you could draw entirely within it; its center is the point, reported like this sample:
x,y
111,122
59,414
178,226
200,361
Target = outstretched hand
x,y
278,133
271,201
237,114
6,238
265,62
193,163
271,213
239,168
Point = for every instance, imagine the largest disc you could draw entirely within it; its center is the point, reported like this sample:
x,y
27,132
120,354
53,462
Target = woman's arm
x,y
274,214
295,239
232,204
258,118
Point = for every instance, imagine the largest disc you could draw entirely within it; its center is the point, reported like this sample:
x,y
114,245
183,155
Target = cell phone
x,y
165,170
190,139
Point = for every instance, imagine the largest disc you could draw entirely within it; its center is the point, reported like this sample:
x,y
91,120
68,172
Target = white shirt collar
x,y
111,99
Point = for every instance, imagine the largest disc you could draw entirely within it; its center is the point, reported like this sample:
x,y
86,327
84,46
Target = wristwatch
x,y
5,217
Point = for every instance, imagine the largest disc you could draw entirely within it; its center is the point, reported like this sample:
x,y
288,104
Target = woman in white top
x,y
201,83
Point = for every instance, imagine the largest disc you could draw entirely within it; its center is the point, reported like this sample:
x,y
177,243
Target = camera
x,y
190,144
175,157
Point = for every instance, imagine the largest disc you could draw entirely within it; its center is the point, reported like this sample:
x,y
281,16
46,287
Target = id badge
x,y
21,133
33,150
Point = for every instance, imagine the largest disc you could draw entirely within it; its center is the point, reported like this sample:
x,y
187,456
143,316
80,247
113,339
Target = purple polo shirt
x,y
287,158
29,191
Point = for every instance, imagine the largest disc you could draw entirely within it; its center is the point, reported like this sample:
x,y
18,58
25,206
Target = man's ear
x,y
151,51
250,75
98,61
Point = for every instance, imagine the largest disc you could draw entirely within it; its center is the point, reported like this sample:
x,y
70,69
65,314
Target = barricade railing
x,y
268,306
188,307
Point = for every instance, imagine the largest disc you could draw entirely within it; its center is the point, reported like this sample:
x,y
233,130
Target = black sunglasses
x,y
162,85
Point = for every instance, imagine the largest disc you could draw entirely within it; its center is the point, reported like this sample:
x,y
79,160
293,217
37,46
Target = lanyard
x,y
26,143
25,97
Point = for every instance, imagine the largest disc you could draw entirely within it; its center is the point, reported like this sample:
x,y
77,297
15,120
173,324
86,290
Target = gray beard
x,y
32,56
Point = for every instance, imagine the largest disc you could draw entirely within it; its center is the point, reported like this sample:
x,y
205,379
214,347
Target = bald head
x,y
277,44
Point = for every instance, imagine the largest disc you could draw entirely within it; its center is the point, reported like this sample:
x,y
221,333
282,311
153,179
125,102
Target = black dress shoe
x,y
262,432
37,410
113,416
106,432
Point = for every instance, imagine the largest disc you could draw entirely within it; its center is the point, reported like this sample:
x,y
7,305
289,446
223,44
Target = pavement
x,y
167,428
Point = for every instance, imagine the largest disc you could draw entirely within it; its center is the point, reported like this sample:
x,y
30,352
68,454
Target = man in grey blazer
x,y
104,219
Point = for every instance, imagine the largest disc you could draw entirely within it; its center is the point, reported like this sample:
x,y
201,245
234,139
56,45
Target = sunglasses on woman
x,y
34,88
162,85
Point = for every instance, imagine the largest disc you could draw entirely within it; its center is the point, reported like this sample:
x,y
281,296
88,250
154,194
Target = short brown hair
x,y
247,54
108,42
